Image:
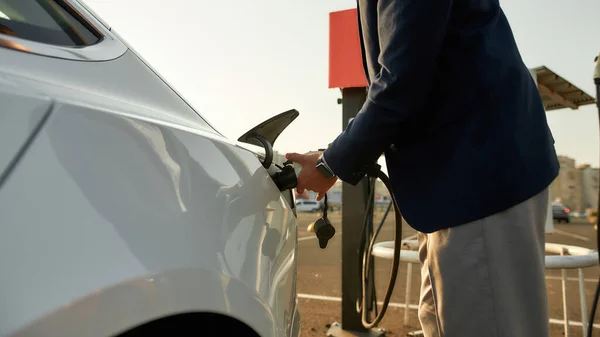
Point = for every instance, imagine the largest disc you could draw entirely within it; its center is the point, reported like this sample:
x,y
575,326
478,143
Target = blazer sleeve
x,y
411,33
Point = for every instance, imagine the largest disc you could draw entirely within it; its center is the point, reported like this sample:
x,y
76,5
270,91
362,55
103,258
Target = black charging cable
x,y
325,231
366,250
325,207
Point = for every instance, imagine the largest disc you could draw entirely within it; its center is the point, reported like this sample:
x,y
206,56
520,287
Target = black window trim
x,y
107,47
65,5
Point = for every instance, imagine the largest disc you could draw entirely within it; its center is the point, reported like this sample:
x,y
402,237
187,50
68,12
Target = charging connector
x,y
322,228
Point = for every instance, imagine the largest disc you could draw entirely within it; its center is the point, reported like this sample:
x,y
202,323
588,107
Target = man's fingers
x,y
321,195
296,158
300,189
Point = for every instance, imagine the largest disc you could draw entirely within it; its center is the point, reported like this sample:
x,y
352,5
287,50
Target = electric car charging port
x,y
264,135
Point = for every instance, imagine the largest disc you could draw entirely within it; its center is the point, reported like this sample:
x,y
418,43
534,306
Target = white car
x,y
303,205
123,212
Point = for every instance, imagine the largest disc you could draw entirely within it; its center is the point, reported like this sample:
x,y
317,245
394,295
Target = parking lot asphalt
x,y
319,281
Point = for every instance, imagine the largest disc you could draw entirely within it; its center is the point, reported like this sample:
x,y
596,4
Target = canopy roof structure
x,y
558,93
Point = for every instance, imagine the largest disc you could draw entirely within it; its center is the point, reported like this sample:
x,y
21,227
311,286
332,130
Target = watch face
x,y
324,171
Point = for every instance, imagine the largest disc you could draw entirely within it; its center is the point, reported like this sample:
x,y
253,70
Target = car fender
x,y
100,200
126,305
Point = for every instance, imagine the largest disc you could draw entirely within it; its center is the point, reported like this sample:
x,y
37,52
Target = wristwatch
x,y
324,169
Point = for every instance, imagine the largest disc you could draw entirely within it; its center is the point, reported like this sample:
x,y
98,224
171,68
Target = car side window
x,y
46,21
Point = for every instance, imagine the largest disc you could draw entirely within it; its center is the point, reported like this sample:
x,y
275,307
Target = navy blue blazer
x,y
449,90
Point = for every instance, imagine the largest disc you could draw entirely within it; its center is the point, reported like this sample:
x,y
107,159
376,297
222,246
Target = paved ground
x,y
319,278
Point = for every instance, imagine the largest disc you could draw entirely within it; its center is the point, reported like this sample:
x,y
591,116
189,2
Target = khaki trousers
x,y
486,278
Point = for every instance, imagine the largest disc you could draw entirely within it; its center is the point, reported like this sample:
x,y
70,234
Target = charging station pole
x,y
346,72
354,201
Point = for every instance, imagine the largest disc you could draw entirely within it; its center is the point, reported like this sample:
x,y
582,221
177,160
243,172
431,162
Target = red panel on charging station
x,y
345,59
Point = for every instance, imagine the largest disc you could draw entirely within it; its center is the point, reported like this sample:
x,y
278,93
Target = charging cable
x,y
325,231
366,249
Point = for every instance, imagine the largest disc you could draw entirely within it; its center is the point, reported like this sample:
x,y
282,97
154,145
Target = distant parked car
x,y
307,206
560,213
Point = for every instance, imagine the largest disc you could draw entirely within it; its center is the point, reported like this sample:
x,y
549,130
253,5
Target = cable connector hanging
x,y
322,228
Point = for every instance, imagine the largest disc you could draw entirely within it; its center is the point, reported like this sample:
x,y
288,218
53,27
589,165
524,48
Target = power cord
x,y
325,231
597,294
366,249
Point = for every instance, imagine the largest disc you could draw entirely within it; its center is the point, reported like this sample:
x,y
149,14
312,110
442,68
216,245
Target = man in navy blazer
x,y
469,153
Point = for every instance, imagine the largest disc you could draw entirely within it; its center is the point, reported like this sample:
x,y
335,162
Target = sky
x,y
241,62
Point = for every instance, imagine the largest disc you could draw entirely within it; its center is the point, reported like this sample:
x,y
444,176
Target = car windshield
x,y
46,21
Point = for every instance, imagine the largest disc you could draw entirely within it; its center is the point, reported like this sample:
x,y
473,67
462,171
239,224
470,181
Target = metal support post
x,y
409,273
565,296
354,201
584,319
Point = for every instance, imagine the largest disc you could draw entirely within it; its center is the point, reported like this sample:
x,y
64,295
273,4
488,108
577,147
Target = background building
x,y
566,188
576,186
589,185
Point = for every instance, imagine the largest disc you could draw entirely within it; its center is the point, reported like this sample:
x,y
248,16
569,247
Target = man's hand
x,y
310,178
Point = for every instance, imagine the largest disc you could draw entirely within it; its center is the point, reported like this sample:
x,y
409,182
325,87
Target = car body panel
x,y
21,114
125,85
110,311
127,206
100,198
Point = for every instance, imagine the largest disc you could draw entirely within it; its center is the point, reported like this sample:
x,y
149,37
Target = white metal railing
x,y
570,257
